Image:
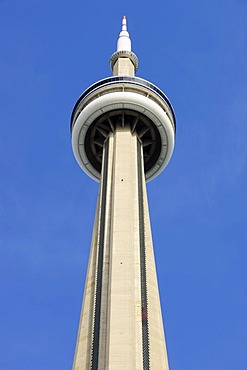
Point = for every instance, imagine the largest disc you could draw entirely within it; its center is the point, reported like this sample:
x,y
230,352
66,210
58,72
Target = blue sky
x,y
196,52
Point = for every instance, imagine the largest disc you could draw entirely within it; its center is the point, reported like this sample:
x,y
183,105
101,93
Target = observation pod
x,y
123,133
123,100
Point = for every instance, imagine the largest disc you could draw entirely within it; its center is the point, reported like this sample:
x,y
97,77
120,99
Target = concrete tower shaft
x,y
121,323
123,131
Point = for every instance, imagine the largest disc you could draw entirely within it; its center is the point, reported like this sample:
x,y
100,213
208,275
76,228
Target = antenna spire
x,y
124,42
124,62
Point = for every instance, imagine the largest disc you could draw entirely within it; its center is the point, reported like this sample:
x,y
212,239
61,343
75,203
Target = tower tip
x,y
124,23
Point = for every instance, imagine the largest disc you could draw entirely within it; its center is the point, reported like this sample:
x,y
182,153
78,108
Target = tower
x,y
123,131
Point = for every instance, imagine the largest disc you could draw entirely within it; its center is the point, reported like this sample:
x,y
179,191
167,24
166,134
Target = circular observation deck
x,y
123,101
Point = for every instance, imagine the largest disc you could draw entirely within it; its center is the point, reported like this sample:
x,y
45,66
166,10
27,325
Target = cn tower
x,y
123,132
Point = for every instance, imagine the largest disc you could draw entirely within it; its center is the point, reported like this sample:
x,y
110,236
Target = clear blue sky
x,y
196,52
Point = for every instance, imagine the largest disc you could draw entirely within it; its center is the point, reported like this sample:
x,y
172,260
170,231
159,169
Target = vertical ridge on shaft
x,y
98,290
144,300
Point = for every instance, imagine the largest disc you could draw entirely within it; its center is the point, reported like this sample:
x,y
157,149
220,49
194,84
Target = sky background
x,y
196,52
